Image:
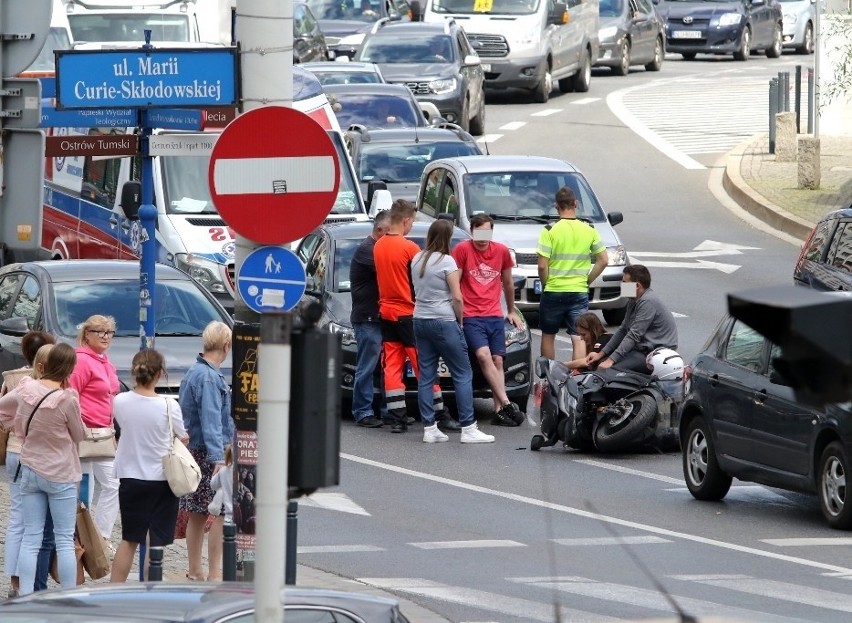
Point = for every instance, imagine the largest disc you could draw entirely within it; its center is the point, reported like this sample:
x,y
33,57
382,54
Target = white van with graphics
x,y
528,43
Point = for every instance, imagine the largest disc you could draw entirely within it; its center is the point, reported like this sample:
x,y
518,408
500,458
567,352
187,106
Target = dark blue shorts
x,y
487,331
559,310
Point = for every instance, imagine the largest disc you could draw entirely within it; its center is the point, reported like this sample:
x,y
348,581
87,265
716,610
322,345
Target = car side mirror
x,y
131,198
615,218
16,326
472,60
559,16
381,201
372,187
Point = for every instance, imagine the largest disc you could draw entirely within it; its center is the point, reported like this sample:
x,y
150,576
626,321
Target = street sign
x,y
274,175
159,77
172,119
105,145
24,27
89,118
22,178
271,279
181,144
21,104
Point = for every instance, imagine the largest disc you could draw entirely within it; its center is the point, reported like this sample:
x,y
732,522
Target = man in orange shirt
x,y
393,253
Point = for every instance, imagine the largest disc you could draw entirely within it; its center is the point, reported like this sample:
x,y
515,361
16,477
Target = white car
x,y
799,25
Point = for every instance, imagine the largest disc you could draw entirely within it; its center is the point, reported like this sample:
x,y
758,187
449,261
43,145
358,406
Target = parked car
x,y
308,40
56,296
799,20
345,73
435,61
345,22
519,193
631,33
735,27
327,254
739,420
825,262
375,105
198,602
398,157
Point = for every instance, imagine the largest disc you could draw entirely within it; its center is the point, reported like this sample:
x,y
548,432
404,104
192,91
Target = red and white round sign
x,y
274,175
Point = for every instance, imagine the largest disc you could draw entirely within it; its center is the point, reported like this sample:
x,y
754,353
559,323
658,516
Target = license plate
x,y
443,370
537,286
686,34
486,67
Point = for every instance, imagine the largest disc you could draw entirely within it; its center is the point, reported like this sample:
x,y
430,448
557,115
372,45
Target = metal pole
x,y
810,100
798,96
292,542
773,110
817,55
148,220
785,94
229,553
274,357
155,567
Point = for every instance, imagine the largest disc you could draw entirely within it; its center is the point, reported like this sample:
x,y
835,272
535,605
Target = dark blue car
x,y
825,262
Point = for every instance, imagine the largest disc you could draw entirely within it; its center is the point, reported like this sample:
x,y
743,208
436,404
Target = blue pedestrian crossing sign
x,y
271,279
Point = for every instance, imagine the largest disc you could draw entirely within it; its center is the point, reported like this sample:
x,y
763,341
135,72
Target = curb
x,y
754,203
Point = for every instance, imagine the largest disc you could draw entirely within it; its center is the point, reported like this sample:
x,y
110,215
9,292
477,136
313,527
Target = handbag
x,y
99,443
27,429
95,560
180,468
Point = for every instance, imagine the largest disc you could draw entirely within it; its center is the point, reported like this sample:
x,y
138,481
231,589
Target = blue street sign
x,y
48,87
172,119
92,118
159,77
271,279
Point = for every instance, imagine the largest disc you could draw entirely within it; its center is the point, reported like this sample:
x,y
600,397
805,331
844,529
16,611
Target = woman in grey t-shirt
x,y
438,315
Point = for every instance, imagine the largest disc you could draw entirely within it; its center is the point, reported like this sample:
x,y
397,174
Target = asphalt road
x,y
498,533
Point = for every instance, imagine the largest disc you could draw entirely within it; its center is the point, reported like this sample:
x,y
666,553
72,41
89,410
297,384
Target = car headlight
x,y
730,19
617,255
514,335
790,18
529,37
347,334
607,33
356,39
445,85
204,271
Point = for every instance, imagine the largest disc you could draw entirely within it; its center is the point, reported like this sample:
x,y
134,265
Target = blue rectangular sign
x,y
48,88
171,78
89,118
172,119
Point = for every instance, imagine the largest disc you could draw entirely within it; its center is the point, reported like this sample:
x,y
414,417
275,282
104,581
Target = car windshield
x,y
375,111
129,27
491,7
528,194
610,8
334,76
57,39
188,191
180,307
420,50
366,11
404,162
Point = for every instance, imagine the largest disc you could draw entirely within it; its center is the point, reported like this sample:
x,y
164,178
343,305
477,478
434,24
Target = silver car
x,y
519,192
799,25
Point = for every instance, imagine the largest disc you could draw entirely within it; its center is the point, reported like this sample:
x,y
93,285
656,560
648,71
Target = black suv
x,y
825,262
435,61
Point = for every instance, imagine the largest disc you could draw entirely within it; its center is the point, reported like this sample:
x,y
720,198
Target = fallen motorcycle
x,y
609,409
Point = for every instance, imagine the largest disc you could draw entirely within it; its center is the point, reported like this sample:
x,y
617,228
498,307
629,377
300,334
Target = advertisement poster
x,y
246,339
245,489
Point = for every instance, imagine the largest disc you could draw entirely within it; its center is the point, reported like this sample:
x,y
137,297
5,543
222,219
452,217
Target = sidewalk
x,y
768,189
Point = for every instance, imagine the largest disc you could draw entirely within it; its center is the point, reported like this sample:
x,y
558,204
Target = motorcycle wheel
x,y
609,437
536,443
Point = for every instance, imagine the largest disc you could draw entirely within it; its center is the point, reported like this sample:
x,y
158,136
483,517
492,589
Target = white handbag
x,y
182,472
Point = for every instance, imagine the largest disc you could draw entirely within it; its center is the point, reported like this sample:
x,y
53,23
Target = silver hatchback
x,y
518,192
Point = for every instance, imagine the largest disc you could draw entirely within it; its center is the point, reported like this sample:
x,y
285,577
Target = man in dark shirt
x,y
364,288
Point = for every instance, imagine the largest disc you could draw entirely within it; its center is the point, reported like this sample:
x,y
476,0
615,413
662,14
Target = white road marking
x,y
577,512
630,470
482,600
467,544
489,138
697,264
546,112
560,337
513,125
785,591
679,315
712,245
611,540
337,549
333,502
585,100
805,542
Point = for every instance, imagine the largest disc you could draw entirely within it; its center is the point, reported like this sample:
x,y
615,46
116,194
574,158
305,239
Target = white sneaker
x,y
431,434
472,434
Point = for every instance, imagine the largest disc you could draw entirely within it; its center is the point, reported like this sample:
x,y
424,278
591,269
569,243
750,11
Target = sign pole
x,y
148,220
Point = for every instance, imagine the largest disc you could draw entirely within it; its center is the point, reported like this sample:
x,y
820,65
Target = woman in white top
x,y
147,421
438,332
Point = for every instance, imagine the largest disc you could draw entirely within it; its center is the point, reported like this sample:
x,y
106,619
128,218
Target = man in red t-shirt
x,y
393,253
486,270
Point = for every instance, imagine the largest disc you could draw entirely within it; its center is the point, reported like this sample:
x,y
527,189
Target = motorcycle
x,y
609,409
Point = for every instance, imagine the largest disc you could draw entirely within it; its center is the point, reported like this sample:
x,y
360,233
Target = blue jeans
x,y
561,309
37,495
368,385
15,530
444,339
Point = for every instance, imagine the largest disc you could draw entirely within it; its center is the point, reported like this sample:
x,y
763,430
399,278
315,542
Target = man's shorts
x,y
561,309
487,331
401,330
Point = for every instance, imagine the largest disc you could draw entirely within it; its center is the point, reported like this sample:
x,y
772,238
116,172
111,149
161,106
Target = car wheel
x,y
704,479
614,316
688,56
541,92
583,77
831,486
657,63
618,431
807,46
536,443
745,46
623,67
464,121
477,124
775,50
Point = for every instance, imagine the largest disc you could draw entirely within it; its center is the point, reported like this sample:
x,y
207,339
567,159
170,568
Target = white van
x,y
58,38
126,20
528,43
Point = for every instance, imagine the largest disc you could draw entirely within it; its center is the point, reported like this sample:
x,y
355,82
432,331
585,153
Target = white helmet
x,y
665,364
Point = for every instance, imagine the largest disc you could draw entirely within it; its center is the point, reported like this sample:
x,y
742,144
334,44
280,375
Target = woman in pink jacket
x,y
96,382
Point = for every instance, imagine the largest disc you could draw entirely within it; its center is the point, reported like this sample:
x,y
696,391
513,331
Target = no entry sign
x,y
274,175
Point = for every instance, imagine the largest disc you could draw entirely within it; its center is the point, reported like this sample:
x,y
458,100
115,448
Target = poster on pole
x,y
245,490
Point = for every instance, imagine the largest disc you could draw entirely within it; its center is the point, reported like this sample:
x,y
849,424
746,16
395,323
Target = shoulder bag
x,y
181,470
99,443
27,429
